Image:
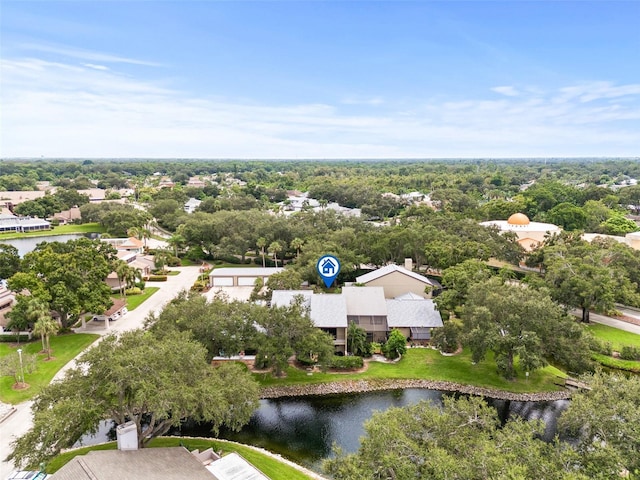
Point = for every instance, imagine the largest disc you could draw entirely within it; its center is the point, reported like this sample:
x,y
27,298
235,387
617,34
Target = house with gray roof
x,y
328,312
368,308
13,223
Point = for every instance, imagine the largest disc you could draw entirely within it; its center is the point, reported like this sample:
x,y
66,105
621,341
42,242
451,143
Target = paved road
x,y
612,322
20,421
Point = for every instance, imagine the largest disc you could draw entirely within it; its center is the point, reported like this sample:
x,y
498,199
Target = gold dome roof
x,y
518,219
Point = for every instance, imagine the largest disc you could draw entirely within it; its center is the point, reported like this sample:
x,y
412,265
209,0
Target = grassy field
x,y
270,466
426,363
618,338
64,348
134,301
59,230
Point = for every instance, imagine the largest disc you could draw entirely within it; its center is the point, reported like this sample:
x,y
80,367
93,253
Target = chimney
x,y
408,264
127,436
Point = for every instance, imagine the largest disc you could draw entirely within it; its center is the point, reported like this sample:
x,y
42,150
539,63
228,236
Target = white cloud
x,y
94,66
82,54
509,91
59,109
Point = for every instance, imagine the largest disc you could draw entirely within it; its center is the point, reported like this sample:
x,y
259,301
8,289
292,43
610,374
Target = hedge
x,y
630,353
157,278
12,337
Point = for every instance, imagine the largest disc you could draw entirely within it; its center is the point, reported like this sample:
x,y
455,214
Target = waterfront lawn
x,y
618,338
63,347
429,364
134,301
59,230
616,363
270,466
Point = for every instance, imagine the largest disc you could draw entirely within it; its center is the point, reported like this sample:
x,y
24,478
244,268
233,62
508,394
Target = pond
x,y
28,244
304,429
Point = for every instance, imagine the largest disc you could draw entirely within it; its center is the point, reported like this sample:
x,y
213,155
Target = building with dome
x,y
530,234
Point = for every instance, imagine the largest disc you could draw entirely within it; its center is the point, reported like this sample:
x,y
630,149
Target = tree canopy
x,y
156,383
68,276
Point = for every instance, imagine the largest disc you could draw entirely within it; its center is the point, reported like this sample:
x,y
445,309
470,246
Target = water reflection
x,y
304,429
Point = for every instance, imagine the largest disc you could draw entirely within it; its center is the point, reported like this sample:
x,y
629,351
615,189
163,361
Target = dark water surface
x,y
304,429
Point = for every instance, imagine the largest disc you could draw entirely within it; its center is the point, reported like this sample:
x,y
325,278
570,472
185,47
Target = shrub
x,y
351,362
133,291
174,262
229,259
13,337
396,345
630,353
599,346
199,285
375,347
157,278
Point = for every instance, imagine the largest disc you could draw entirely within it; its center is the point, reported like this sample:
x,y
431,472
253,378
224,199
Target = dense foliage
x,y
156,383
465,440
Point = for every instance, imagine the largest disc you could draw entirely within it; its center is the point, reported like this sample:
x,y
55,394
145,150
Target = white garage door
x,y
223,281
246,281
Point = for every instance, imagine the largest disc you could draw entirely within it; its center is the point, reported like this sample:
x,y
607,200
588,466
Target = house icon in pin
x,y
328,267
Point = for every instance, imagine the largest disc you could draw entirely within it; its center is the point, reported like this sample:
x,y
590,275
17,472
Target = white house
x,y
191,205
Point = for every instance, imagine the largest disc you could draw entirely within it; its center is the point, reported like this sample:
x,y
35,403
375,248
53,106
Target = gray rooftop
x,y
326,310
173,463
365,300
412,313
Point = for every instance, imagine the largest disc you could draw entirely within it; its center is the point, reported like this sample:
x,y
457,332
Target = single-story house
x,y
162,463
67,216
131,244
240,277
397,280
191,205
13,223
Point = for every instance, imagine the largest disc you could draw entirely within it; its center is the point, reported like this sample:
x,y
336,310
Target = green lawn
x,y
59,230
617,337
270,466
617,363
134,301
64,348
426,363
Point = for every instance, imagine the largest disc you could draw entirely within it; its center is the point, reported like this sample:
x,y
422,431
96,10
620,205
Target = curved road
x,y
20,421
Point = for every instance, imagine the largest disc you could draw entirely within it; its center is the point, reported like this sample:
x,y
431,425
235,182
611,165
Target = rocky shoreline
x,y
361,386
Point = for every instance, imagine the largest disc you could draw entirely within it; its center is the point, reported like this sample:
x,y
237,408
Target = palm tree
x,y
297,244
274,249
45,327
176,241
122,270
135,232
36,312
261,243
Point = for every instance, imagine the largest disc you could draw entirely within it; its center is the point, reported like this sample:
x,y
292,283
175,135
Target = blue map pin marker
x,y
328,268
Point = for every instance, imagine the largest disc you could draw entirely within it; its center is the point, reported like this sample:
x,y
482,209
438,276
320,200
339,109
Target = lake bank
x,y
364,386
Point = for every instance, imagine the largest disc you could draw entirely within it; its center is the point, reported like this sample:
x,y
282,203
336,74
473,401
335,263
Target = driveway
x,y
20,421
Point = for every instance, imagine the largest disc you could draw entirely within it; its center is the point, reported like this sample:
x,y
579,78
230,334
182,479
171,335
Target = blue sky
x,y
316,79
